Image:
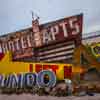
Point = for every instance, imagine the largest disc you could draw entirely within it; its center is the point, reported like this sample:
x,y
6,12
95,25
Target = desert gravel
x,y
36,97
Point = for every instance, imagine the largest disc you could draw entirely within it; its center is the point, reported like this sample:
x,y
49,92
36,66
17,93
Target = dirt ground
x,y
36,97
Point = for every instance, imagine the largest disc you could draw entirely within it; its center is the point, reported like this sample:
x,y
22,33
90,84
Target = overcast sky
x,y
16,14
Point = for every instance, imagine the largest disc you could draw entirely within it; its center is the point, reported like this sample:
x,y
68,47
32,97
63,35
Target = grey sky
x,y
16,14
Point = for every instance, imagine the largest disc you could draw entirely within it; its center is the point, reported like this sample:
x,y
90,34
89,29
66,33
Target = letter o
x,y
52,78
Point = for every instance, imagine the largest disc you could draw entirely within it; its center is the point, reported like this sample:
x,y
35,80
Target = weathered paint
x,y
62,71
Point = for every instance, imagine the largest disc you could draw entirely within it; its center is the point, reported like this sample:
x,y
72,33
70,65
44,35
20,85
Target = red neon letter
x,y
54,68
67,71
38,67
31,68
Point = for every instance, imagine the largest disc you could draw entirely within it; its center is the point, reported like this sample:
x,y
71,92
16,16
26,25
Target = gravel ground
x,y
36,97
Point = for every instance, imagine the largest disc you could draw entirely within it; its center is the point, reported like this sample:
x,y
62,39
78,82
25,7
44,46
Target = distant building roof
x,y
91,35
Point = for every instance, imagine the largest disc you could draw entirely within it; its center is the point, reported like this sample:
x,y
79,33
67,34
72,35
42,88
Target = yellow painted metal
x,y
8,66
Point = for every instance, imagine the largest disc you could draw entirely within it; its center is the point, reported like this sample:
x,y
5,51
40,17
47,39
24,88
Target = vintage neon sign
x,y
21,43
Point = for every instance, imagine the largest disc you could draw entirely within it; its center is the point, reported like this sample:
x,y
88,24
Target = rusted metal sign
x,y
65,28
21,43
